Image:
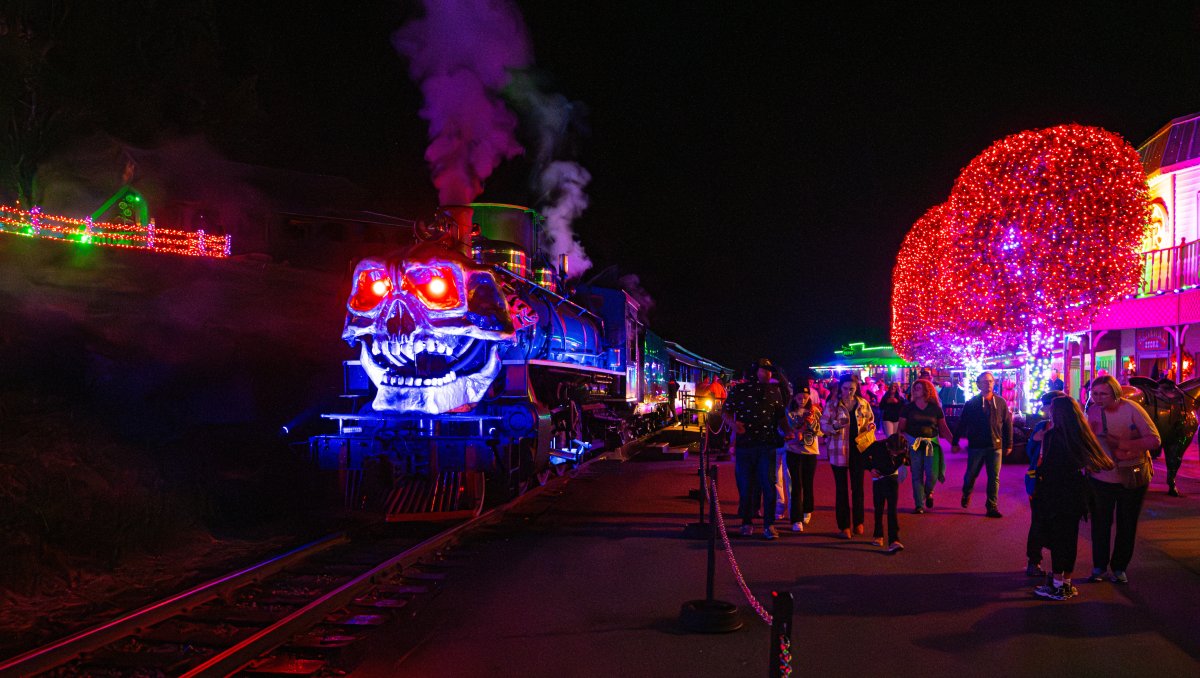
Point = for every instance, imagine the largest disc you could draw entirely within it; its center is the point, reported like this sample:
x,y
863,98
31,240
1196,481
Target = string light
x,y
33,223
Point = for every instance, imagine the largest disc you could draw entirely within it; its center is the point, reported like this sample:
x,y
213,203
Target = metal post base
x,y
697,531
709,616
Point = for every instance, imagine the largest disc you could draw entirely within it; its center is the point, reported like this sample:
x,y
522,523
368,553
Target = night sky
x,y
756,164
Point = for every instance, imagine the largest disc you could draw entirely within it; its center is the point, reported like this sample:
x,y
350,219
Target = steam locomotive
x,y
479,373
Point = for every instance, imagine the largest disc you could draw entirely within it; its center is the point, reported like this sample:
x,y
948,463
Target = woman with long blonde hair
x,y
1069,449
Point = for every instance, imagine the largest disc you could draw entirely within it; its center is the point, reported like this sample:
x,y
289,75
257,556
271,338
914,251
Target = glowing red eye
x,y
436,286
436,289
369,289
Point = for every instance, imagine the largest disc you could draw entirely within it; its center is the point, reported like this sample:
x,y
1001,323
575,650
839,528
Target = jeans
x,y
801,468
848,502
886,491
922,477
1126,504
754,468
978,459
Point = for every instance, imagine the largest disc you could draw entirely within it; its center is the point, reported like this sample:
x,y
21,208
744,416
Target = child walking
x,y
884,459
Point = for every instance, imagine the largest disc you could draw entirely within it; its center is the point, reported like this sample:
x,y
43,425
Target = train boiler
x,y
476,375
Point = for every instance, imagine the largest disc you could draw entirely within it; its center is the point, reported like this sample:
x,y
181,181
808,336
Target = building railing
x,y
1170,270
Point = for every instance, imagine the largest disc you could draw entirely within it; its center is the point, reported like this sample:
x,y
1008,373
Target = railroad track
x,y
294,614
298,613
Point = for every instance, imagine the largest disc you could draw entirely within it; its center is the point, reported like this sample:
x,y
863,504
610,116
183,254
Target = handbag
x,y
1136,474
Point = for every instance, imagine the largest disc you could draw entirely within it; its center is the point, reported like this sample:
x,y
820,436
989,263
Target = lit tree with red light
x,y
914,287
922,332
1041,231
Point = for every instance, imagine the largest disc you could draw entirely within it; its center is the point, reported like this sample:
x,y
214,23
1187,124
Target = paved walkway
x,y
589,581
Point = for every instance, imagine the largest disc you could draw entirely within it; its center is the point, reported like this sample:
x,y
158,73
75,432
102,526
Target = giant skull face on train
x,y
429,322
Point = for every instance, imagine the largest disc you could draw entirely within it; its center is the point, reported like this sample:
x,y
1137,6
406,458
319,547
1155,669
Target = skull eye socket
x,y
371,286
436,286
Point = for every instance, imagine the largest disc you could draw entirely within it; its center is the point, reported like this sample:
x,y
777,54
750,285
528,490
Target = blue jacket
x,y
1033,449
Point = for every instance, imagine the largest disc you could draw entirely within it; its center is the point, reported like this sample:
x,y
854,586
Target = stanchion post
x,y
700,529
709,615
781,634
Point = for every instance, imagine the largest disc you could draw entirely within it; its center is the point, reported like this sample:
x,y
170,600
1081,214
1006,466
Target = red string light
x,y
1041,231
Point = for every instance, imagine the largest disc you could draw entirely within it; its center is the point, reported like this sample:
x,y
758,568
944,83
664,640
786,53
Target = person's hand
x,y
1008,452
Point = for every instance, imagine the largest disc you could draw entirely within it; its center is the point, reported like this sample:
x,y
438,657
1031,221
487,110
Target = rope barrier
x,y
737,573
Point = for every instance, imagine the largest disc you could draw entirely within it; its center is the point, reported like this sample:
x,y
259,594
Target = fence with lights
x,y
34,223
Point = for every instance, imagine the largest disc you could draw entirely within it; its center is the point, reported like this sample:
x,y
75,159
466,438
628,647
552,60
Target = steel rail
x,y
64,650
234,658
237,657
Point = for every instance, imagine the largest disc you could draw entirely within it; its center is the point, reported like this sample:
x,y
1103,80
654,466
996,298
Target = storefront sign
x,y
1149,340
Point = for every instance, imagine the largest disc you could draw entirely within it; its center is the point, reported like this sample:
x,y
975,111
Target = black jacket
x,y
980,432
877,457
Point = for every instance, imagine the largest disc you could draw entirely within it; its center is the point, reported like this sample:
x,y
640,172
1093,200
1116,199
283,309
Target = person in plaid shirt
x,y
847,416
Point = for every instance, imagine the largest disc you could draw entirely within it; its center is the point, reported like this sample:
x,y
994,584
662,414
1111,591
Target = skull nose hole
x,y
400,323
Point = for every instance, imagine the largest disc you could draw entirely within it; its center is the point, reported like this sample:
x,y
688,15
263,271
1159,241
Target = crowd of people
x,y
1095,462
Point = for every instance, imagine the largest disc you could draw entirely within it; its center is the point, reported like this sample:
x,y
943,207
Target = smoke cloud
x,y
632,284
557,181
562,185
461,54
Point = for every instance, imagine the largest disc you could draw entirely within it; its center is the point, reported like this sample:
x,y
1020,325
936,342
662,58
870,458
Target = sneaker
x,y
1056,592
919,510
770,533
747,530
877,541
1097,575
929,501
993,513
845,533
797,527
807,518
966,500
858,529
896,547
1071,590
1034,570
1119,577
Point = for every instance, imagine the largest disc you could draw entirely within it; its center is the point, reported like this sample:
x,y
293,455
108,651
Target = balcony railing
x,y
1171,269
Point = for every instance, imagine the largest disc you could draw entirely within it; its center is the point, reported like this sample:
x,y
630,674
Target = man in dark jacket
x,y
986,424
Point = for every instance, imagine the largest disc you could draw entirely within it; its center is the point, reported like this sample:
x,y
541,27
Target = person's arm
x,y
1148,436
960,430
944,429
1006,434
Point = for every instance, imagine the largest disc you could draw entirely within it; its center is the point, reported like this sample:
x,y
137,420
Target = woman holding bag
x,y
1068,448
1127,436
849,427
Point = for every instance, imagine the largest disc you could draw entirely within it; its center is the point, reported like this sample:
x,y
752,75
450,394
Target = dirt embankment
x,y
141,399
